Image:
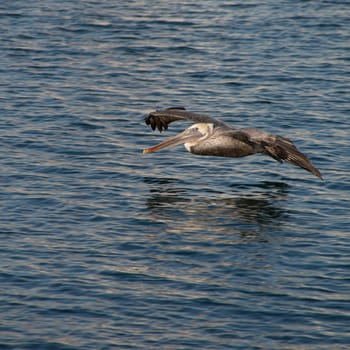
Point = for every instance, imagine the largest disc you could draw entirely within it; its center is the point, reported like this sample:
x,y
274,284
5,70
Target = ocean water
x,y
103,247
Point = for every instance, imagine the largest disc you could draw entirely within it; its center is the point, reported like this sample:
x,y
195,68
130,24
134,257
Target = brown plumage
x,y
212,137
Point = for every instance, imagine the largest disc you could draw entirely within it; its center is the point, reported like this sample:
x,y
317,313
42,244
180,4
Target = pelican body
x,y
212,137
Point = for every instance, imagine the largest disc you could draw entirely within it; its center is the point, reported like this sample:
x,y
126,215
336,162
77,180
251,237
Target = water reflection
x,y
247,209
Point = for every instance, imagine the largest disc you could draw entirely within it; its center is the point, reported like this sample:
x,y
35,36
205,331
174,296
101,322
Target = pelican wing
x,y
278,147
160,119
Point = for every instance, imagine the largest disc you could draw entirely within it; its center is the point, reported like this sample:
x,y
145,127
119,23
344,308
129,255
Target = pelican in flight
x,y
212,137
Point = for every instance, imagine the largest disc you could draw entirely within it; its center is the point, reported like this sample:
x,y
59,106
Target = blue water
x,y
103,247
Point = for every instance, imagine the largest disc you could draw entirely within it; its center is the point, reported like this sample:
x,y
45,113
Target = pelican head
x,y
191,136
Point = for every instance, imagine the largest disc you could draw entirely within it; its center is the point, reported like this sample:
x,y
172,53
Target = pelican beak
x,y
183,137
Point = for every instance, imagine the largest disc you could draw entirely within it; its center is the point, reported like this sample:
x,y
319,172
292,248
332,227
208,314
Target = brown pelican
x,y
212,137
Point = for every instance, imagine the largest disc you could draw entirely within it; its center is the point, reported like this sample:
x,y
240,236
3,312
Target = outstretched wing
x,y
160,119
277,147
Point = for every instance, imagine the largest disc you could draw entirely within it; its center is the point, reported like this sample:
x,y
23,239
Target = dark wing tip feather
x,y
155,122
181,108
160,119
284,150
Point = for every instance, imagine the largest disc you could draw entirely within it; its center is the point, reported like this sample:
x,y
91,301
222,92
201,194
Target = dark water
x,y
105,248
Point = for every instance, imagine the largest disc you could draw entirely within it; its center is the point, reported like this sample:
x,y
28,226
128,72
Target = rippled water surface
x,y
103,247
